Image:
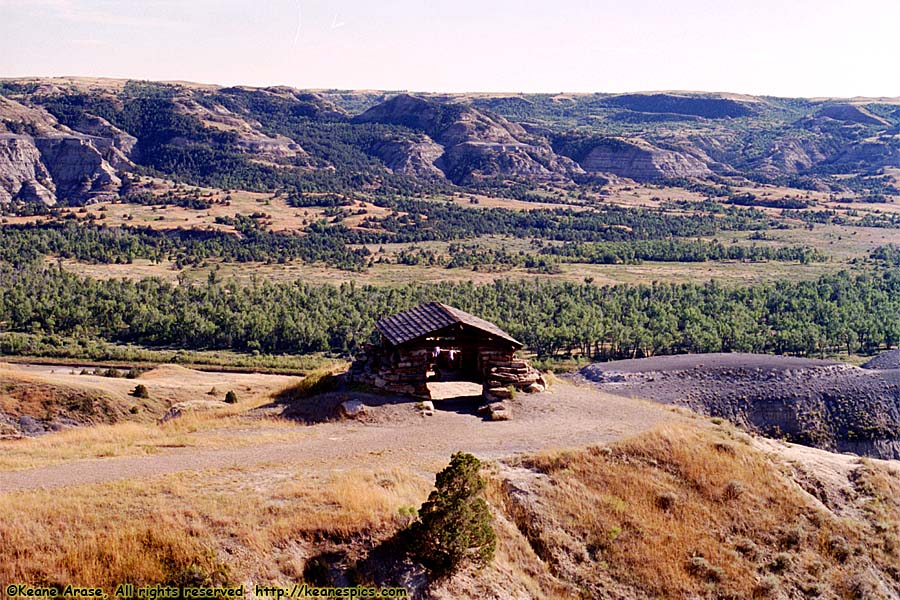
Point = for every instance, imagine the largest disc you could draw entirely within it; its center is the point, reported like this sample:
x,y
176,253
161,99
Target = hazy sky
x,y
777,47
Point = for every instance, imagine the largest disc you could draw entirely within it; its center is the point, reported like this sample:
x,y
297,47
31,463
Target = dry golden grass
x,y
209,430
92,536
281,216
316,382
686,511
692,512
356,500
127,434
623,192
485,201
177,528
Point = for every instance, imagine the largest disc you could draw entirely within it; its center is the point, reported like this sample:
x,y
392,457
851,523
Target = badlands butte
x,y
65,140
692,302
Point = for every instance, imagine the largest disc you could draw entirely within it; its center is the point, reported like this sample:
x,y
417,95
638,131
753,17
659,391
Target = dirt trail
x,y
567,416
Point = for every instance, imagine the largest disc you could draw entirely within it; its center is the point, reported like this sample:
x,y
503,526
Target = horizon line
x,y
188,82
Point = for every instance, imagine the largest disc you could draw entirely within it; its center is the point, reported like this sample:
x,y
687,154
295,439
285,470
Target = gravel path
x,y
567,416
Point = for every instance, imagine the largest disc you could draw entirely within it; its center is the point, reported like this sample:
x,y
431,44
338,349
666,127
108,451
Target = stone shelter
x,y
437,342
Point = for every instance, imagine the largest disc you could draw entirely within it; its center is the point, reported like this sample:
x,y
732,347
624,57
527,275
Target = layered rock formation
x,y
852,114
832,406
78,168
415,155
22,174
681,104
209,135
248,136
53,168
641,161
43,161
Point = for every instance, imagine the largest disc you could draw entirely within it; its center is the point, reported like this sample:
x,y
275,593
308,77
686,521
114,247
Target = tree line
x,y
678,250
23,244
415,220
835,312
542,255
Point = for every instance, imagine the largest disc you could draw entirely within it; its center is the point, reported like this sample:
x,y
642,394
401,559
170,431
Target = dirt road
x,y
567,416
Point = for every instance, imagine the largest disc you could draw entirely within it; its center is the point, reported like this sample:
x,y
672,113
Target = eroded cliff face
x,y
852,114
832,406
641,161
115,144
248,135
22,174
43,161
78,168
53,169
415,155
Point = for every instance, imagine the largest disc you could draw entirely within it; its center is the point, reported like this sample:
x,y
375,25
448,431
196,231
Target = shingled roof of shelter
x,y
430,318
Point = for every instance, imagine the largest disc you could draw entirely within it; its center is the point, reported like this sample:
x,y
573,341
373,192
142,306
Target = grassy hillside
x,y
700,511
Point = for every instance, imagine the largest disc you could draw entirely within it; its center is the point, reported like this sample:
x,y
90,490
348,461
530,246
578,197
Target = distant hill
x,y
70,140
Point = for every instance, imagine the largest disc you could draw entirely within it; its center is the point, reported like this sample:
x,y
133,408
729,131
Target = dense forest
x,y
542,257
421,220
842,312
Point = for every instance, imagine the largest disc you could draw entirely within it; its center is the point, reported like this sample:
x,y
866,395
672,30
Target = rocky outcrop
x,y
470,162
641,161
870,154
248,136
51,168
43,161
794,154
680,104
114,144
415,155
99,127
279,149
832,406
22,174
78,169
476,145
812,142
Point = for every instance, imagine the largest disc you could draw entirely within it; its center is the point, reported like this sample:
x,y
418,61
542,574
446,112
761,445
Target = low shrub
x,y
455,523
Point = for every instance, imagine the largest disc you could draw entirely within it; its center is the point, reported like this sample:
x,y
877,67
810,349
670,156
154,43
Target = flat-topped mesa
x,y
436,342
